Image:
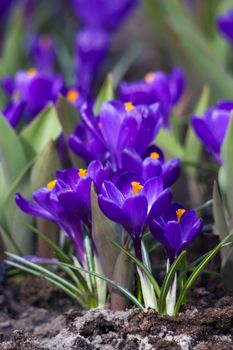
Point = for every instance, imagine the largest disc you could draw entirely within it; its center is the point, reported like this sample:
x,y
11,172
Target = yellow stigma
x,y
128,106
82,172
72,95
136,186
51,184
154,155
180,213
31,72
149,77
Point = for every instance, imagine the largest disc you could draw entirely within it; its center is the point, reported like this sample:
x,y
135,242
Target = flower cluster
x,y
130,173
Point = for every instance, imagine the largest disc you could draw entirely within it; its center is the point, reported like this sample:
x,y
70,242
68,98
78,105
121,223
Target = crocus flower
x,y
43,54
156,87
152,163
225,25
211,129
30,92
133,202
176,229
91,48
103,14
119,126
66,200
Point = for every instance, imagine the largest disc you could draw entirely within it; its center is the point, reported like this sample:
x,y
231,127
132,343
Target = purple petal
x,y
160,205
135,209
131,161
111,192
151,168
170,214
112,210
176,84
171,172
31,208
151,190
205,134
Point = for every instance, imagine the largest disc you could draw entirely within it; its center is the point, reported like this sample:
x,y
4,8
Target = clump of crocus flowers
x,y
126,181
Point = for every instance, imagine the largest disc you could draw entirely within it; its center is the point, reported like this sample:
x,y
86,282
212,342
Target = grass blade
x,y
193,277
142,267
168,280
112,283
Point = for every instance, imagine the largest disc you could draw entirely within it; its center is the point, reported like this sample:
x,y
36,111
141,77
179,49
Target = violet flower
x,y
43,54
211,129
156,87
91,49
133,202
66,201
152,163
176,229
104,14
225,25
119,126
30,92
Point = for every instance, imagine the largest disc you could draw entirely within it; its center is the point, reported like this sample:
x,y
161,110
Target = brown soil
x,y
35,315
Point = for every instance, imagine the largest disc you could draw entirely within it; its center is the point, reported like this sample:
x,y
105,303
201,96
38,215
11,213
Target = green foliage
x,y
106,93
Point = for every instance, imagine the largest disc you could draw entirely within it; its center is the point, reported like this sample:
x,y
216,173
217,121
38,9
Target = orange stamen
x,y
137,187
51,184
128,106
82,172
180,213
154,155
72,95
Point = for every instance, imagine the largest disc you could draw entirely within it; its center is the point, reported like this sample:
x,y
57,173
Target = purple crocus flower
x,y
176,229
104,14
225,25
133,202
211,129
30,92
66,200
118,127
43,54
152,163
91,49
156,87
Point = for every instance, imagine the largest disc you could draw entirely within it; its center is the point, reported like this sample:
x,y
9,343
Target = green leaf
x,y
200,51
47,275
12,162
126,61
166,140
192,146
123,275
40,131
123,290
69,117
13,44
106,94
142,267
219,214
45,167
223,231
103,230
196,273
168,280
227,152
